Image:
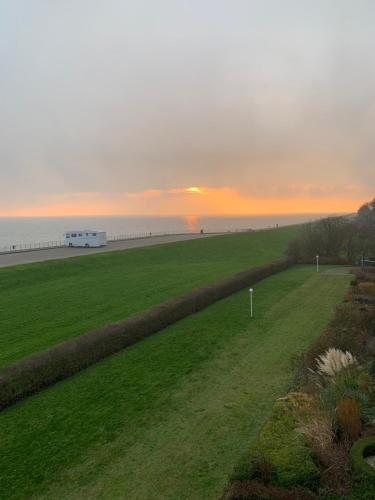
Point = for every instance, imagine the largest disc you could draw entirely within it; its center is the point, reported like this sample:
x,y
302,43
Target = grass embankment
x,y
45,303
169,417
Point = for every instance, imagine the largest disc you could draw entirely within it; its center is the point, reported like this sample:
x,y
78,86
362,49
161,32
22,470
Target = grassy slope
x,y
168,417
45,303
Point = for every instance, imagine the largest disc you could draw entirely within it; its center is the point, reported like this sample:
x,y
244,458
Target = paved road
x,y
63,253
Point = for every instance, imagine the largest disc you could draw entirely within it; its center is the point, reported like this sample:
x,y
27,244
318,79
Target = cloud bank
x,y
264,102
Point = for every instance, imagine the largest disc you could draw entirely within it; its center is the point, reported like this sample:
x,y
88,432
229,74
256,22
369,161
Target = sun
x,y
194,190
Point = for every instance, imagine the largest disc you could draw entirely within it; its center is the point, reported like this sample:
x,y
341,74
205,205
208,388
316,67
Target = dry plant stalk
x,y
349,418
333,361
317,428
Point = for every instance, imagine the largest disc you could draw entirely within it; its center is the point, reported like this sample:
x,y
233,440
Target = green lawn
x,y
45,303
168,417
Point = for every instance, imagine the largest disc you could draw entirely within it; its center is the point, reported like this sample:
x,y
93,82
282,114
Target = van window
x,y
74,235
94,234
79,234
68,235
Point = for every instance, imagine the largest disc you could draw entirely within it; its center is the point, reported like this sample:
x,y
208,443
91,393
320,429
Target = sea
x,y
23,231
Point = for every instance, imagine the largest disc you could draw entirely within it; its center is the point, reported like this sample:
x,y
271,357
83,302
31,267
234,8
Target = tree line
x,y
351,237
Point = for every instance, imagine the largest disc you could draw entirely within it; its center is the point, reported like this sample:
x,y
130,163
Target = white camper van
x,y
85,238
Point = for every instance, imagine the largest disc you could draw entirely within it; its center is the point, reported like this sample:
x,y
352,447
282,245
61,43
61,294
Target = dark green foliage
x,y
255,490
292,460
32,374
285,450
363,448
362,489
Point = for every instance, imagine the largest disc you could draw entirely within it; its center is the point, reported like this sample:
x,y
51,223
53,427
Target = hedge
x,y
324,261
363,448
41,370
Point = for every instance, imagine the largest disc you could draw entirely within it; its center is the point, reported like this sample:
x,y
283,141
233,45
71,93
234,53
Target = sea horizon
x,y
28,230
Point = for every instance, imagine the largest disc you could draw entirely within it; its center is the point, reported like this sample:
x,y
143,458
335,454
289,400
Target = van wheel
x,y
87,245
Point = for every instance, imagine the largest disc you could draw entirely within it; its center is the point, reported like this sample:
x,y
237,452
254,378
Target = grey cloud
x,y
171,94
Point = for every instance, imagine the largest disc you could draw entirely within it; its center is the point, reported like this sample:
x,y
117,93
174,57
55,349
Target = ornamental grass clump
x,y
349,418
318,431
333,361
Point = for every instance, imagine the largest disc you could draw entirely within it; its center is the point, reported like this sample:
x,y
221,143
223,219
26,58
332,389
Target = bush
x,y
363,276
254,490
355,384
280,456
348,331
349,418
367,288
361,449
32,374
317,428
286,450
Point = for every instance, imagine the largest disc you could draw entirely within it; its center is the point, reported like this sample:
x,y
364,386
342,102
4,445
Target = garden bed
x,y
305,445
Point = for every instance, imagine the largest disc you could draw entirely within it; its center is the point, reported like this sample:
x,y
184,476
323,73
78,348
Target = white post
x,y
317,263
251,302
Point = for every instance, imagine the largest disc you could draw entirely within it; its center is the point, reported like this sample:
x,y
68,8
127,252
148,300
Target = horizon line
x,y
265,214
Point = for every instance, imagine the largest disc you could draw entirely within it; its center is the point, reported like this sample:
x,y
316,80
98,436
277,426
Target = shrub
x,y
349,418
350,330
333,361
367,288
254,490
300,401
317,428
280,456
336,475
363,276
352,383
361,449
286,450
32,374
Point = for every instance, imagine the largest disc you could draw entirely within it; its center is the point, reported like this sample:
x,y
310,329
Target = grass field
x,y
46,303
169,417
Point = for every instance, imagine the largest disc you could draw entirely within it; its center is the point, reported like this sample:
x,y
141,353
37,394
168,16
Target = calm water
x,y
41,229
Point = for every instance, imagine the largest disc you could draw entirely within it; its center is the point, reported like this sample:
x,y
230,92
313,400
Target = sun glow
x,y
194,190
179,201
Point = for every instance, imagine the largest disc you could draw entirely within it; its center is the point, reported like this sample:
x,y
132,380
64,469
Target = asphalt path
x,y
27,257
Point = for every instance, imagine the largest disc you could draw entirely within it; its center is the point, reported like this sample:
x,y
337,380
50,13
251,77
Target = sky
x,y
172,107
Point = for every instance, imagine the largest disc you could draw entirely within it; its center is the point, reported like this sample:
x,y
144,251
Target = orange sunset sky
x,y
175,108
193,200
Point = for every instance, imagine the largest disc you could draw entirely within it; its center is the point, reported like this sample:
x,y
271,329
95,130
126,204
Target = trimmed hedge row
x,y
41,370
324,261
